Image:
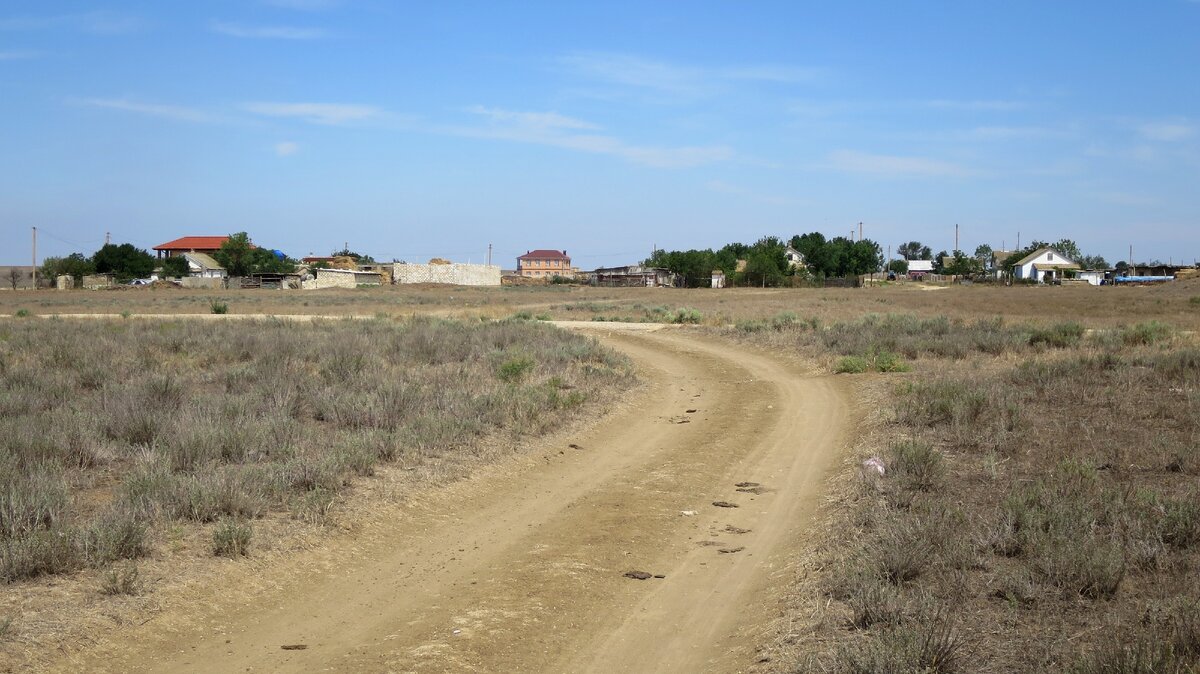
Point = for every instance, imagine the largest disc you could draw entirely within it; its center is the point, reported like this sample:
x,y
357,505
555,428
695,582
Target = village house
x,y
204,266
1044,265
545,264
190,244
794,257
919,269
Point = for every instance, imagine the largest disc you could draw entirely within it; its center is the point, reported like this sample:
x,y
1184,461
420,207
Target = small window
x,y
1050,256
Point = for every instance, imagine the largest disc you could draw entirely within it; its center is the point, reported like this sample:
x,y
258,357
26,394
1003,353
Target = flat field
x,y
165,477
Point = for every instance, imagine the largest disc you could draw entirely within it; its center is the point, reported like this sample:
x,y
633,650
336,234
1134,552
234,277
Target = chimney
x,y
564,253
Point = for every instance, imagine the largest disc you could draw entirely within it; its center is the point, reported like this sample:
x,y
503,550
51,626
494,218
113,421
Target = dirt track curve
x,y
521,567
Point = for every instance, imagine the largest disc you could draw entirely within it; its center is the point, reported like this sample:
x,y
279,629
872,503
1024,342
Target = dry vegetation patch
x,y
118,436
1039,510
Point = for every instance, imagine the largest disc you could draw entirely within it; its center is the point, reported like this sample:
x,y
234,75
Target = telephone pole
x,y
860,231
107,238
956,239
489,255
35,258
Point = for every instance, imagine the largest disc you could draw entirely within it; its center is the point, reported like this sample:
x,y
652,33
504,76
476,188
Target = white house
x,y
794,257
204,266
919,268
1043,265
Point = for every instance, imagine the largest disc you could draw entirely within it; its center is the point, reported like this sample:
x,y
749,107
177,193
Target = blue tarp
x,y
1143,279
279,254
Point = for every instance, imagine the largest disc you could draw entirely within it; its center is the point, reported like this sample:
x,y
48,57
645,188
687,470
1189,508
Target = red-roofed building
x,y
191,244
544,264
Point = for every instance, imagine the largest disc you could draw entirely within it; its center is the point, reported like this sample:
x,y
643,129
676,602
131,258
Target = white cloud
x,y
1168,131
304,5
18,55
176,112
317,113
678,80
852,161
976,105
533,119
267,32
98,22
555,130
287,148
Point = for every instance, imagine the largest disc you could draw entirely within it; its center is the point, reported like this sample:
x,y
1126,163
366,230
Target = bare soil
x,y
522,567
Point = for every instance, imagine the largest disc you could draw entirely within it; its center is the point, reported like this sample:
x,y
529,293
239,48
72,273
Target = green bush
x,y
514,369
1142,334
684,315
231,538
22,313
1059,335
852,365
218,307
918,465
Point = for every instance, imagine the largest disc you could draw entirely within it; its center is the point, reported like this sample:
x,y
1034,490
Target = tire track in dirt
x,y
522,570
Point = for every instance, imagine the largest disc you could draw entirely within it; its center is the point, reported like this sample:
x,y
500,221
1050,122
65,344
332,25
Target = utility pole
x,y
107,238
1132,271
489,255
1018,241
35,258
860,231
956,239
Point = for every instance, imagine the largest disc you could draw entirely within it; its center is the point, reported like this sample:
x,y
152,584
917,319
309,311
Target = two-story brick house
x,y
544,264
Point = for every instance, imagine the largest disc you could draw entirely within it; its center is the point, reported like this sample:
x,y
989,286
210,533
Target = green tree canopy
x,y
914,250
240,257
175,266
124,261
74,265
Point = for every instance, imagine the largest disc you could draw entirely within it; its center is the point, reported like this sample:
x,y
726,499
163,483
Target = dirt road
x,y
521,567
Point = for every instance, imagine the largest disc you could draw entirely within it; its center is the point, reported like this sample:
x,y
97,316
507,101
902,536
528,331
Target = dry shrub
x,y
231,538
929,645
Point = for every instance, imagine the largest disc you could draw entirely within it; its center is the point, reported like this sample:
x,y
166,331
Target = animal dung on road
x,y
730,551
753,490
724,504
691,411
729,528
638,575
294,647
574,446
746,484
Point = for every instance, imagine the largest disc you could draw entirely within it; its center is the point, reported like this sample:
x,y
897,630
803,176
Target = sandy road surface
x,y
520,568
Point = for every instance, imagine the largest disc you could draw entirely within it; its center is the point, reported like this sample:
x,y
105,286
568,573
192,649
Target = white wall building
x,y
1043,265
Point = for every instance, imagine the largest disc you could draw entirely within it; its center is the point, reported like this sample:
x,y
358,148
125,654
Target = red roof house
x,y
544,263
191,244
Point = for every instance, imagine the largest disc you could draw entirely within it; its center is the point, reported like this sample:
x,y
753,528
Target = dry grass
x,y
112,430
1040,497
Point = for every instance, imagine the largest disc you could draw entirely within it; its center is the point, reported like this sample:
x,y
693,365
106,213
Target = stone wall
x,y
451,274
335,278
202,282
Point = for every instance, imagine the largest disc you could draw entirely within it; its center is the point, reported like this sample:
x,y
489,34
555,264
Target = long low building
x,y
450,273
632,276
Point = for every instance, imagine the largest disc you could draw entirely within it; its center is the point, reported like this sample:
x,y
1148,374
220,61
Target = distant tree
x,y
815,250
176,266
235,254
1068,248
898,266
938,262
913,250
1121,266
124,261
1093,262
15,276
983,255
74,265
962,265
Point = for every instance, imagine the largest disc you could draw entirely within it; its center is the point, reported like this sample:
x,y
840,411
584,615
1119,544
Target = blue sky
x,y
411,131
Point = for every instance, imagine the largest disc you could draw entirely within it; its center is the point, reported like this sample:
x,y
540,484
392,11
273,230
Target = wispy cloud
x,y
852,161
175,112
1168,131
267,32
304,5
674,79
18,55
555,130
98,22
975,105
316,113
287,148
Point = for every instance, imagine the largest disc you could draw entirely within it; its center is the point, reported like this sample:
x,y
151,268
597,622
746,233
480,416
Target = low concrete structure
x,y
718,278
450,274
207,282
97,281
65,282
633,276
342,278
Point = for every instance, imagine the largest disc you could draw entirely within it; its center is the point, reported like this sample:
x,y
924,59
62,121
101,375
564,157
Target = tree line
x,y
765,262
238,255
